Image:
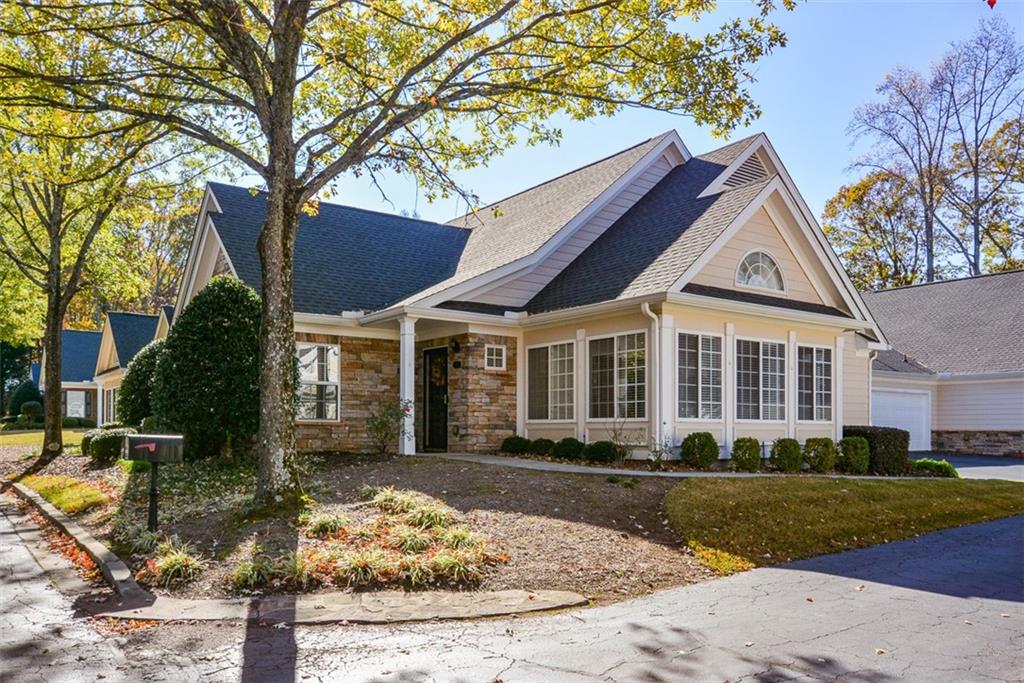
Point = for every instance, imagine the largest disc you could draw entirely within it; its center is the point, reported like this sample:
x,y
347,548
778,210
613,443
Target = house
x,y
124,335
645,296
955,375
79,349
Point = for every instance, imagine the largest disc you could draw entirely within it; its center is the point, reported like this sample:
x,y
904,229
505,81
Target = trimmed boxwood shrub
x,y
87,439
854,457
86,422
32,410
820,454
69,422
22,394
887,448
746,454
154,425
926,467
133,397
541,446
113,425
515,445
699,450
105,447
568,448
601,451
785,455
206,383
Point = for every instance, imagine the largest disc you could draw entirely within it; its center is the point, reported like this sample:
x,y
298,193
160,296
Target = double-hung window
x,y
550,380
760,380
318,381
699,376
618,376
814,383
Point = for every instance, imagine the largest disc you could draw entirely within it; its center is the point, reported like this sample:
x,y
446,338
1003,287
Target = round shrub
x,y
33,410
133,397
887,448
105,447
926,467
785,455
568,448
23,393
820,454
87,422
601,451
69,422
206,383
699,450
853,455
515,445
87,439
541,446
746,454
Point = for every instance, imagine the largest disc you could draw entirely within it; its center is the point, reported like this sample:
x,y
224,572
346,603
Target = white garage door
x,y
909,410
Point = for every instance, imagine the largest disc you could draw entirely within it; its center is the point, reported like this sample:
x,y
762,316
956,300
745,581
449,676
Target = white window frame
x,y
700,384
575,379
615,374
487,357
760,379
321,420
814,384
755,288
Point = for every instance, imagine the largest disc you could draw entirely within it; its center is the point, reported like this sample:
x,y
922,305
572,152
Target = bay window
x,y
814,383
760,380
618,376
699,376
550,382
318,381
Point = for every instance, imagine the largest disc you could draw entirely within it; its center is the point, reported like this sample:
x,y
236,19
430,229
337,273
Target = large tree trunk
x,y
53,439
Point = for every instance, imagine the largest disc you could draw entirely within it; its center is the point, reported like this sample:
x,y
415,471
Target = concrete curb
x,y
382,607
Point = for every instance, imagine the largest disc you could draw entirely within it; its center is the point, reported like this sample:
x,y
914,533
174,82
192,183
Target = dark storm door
x,y
435,417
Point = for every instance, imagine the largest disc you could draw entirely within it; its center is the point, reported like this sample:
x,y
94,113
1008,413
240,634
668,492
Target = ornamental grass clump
x,y
298,570
393,501
253,572
409,539
323,524
458,566
461,537
363,568
177,563
428,516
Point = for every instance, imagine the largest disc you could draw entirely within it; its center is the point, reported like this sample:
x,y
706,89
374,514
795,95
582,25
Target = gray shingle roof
x,y
168,313
895,361
973,325
78,351
346,259
653,243
763,299
131,332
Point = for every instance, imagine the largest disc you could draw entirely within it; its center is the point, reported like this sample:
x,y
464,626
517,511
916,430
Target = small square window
x,y
494,357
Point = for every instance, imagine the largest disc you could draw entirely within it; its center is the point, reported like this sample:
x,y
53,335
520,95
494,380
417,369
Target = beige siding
x,y
856,384
979,405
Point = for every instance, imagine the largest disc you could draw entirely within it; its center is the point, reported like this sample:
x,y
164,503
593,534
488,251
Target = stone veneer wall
x,y
979,443
369,374
481,403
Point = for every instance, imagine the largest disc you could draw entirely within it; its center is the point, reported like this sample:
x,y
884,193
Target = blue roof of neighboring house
x,y
78,353
34,373
346,259
168,313
131,332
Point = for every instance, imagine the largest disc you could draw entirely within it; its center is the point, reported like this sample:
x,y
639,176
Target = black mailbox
x,y
155,448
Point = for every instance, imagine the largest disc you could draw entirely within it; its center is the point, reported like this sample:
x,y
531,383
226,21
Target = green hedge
x,y
23,393
70,422
515,445
105,447
541,446
87,439
746,454
602,451
926,467
699,450
33,410
568,448
887,448
785,455
206,383
133,396
820,454
854,456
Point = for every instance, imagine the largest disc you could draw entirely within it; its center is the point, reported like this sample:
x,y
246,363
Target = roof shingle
x,y
78,351
131,332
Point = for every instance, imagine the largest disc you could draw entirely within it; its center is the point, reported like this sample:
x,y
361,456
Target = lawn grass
x,y
735,524
35,438
67,494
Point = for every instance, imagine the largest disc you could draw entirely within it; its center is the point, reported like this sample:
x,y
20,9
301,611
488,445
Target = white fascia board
x,y
209,204
952,377
774,312
718,184
444,314
590,310
671,141
344,325
78,385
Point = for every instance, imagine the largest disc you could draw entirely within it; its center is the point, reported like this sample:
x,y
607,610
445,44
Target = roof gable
x,y
130,333
78,351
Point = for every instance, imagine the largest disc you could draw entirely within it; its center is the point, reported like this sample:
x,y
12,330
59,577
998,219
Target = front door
x,y
435,416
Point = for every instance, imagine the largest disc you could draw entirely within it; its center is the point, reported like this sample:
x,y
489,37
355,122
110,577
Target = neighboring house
x,y
644,296
955,375
78,362
124,335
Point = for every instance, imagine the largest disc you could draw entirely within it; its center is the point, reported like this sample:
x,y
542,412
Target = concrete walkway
x,y
981,467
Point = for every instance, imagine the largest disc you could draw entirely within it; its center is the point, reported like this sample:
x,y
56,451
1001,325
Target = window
x,y
814,383
318,381
550,381
700,376
494,357
758,269
618,376
760,380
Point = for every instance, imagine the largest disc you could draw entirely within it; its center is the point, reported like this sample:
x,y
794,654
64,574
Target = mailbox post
x,y
154,449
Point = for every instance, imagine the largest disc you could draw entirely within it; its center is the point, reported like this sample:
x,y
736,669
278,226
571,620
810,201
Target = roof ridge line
x,y
950,280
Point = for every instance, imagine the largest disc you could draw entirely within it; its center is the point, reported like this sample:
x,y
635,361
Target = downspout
x,y
655,432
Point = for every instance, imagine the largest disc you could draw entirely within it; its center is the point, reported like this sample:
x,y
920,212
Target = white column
x,y
99,404
407,382
729,398
580,384
521,384
667,409
837,386
791,385
653,388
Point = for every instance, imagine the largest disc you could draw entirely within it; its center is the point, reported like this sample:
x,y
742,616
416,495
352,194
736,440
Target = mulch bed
x,y
605,538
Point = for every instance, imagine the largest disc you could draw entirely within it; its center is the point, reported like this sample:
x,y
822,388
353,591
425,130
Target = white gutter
x,y
655,335
439,314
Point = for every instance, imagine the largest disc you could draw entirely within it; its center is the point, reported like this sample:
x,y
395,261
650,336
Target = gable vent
x,y
750,170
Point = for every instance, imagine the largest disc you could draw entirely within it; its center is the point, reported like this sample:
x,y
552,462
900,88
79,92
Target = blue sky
x,y
838,52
